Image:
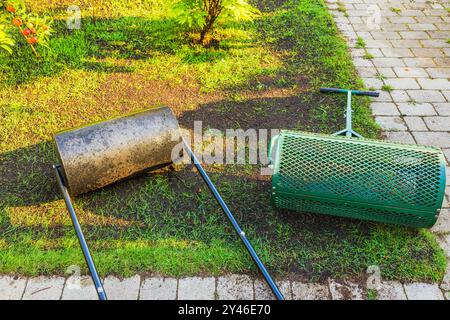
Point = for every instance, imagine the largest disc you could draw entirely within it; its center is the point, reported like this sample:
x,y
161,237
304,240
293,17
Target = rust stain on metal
x,y
99,154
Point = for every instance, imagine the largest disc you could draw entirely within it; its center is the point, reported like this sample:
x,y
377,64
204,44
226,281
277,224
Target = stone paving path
x,y
232,287
397,45
403,48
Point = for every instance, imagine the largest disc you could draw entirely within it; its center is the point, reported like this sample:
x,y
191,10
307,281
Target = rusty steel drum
x,y
99,154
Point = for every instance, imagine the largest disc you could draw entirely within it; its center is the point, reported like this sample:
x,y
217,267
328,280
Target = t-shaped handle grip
x,y
355,92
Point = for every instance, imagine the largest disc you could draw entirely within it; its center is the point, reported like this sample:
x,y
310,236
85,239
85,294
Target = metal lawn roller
x,y
346,175
97,155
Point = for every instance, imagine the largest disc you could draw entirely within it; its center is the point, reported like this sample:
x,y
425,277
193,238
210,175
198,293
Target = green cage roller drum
x,y
358,178
346,175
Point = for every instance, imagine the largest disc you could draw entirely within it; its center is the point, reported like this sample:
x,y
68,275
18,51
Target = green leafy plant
x,y
15,20
387,88
368,56
360,43
6,42
202,15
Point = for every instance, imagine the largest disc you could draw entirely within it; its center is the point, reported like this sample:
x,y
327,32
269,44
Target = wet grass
x,y
264,74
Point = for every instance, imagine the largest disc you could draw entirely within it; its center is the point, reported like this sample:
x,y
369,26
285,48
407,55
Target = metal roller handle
x,y
355,92
235,224
84,246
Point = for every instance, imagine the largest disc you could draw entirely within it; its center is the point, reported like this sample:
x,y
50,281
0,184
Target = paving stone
x,y
263,292
403,137
367,72
372,83
365,35
44,288
197,288
387,13
158,288
357,53
438,123
439,72
378,44
11,288
415,124
414,35
345,290
235,287
391,290
444,243
384,97
360,6
310,291
436,6
79,288
126,289
438,139
386,72
436,12
388,62
391,123
399,19
445,283
427,52
361,62
384,109
438,34
410,72
354,20
442,62
435,43
419,62
442,26
412,44
423,291
418,109
357,13
439,84
422,26
426,96
446,94
376,53
429,19
447,154
412,13
443,223
385,35
400,96
393,27
363,27
344,26
402,83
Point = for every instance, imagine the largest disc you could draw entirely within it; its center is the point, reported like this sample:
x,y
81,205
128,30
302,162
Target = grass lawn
x,y
264,74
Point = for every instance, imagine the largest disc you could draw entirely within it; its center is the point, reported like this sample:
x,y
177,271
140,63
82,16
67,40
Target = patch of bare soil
x,y
273,107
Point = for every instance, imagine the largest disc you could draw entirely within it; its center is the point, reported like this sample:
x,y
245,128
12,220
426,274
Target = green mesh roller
x,y
358,178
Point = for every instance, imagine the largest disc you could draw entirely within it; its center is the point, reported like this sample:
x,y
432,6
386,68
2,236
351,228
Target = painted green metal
x,y
347,175
358,178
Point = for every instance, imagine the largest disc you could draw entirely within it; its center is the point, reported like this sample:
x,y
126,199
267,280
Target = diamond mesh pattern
x,y
359,178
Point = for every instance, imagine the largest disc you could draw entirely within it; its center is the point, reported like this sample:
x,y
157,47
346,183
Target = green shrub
x,y
16,24
202,15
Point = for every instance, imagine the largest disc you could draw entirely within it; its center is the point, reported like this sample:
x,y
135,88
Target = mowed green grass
x,y
126,58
